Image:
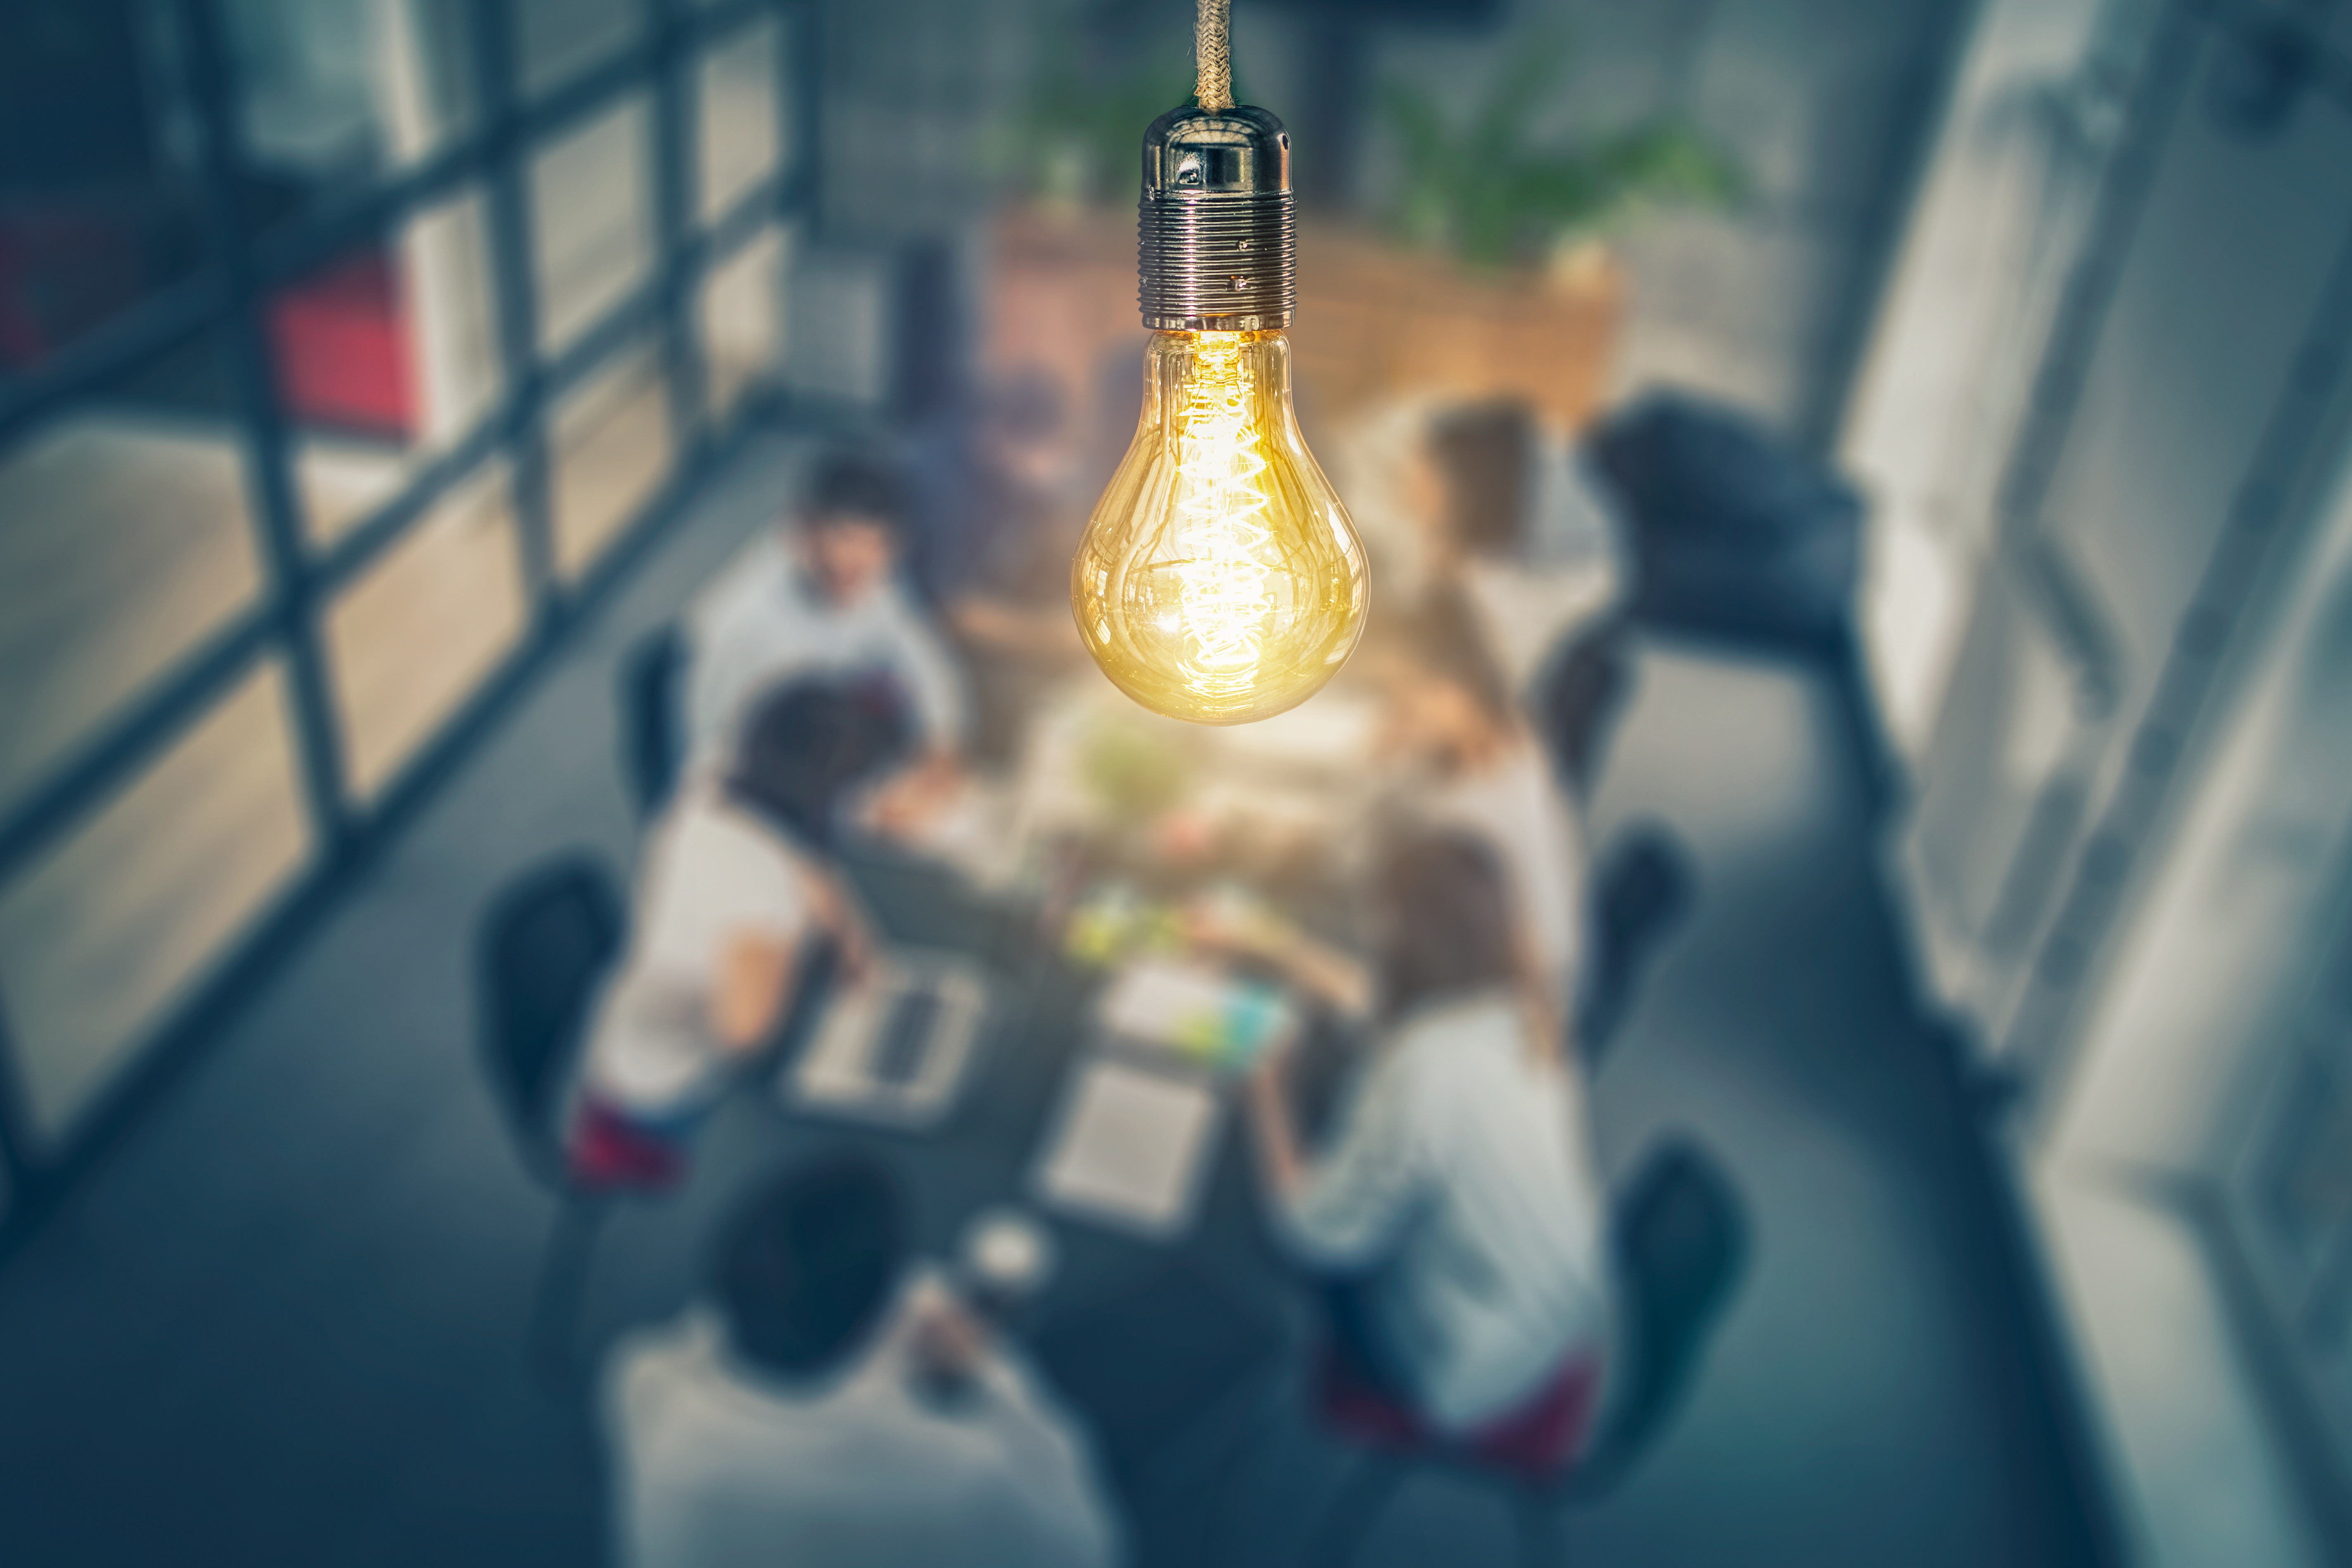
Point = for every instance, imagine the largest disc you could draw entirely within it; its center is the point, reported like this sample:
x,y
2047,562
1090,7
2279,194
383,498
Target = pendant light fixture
x,y
1220,580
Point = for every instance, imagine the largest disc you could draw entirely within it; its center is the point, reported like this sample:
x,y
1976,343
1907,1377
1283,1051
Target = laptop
x,y
894,1049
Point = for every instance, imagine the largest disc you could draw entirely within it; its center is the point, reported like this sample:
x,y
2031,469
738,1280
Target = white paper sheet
x,y
1130,1148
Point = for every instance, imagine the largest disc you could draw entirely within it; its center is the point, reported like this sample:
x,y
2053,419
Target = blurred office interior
x,y
378,378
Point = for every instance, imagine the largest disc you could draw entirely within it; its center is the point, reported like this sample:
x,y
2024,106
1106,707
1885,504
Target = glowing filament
x,y
1220,555
1219,580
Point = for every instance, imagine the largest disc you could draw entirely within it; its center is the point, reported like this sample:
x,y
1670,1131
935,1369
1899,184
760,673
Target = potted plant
x,y
1488,273
1503,282
1487,194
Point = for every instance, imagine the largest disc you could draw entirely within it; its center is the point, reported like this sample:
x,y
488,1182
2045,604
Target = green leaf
x,y
1491,194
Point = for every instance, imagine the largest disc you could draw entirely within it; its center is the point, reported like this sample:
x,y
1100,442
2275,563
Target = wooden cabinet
x,y
1374,320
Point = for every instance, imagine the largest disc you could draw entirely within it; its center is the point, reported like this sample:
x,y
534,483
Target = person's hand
x,y
913,796
947,1346
1230,923
1182,836
843,920
749,991
1267,1074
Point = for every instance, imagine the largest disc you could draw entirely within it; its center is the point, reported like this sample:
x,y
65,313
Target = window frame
x,y
229,295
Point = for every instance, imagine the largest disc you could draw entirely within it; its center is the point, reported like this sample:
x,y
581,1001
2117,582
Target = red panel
x,y
341,347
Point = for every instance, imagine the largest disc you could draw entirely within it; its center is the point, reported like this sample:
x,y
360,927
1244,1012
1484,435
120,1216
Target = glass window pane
x,y
592,220
125,539
387,354
2308,1189
612,442
558,39
415,635
741,314
97,172
112,928
735,100
331,95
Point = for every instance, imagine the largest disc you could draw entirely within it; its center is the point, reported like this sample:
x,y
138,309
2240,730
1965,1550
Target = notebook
x,y
1130,1148
1200,1013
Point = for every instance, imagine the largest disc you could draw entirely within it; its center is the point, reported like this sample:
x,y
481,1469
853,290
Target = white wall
x,y
2122,890
2183,1041
1998,217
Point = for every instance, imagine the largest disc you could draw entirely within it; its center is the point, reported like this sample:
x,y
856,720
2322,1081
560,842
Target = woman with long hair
x,y
1453,1217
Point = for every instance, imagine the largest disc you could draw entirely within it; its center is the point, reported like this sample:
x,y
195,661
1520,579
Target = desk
x,y
1141,1336
1144,1337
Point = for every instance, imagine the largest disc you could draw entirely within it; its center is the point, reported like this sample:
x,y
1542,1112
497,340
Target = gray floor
x,y
281,1324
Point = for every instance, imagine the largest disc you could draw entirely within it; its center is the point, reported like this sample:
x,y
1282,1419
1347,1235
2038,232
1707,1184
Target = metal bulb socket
x,y
1218,235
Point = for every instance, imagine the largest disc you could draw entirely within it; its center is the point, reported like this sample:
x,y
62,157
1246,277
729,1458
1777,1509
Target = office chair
x,y
1737,533
1582,692
1644,891
1679,1242
653,731
544,943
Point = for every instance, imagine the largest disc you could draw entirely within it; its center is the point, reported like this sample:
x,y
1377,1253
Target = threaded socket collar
x,y
1217,235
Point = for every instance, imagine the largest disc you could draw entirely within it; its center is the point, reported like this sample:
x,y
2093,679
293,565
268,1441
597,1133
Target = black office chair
x,y
544,942
1644,890
1679,1241
1582,692
653,728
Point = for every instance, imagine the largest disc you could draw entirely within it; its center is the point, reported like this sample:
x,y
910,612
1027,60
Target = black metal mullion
x,y
372,535
753,212
148,724
345,223
27,1177
677,188
172,315
497,88
293,608
801,187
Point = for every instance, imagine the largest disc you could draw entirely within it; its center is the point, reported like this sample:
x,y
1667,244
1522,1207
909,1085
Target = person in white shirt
x,y
824,596
1483,497
736,888
1467,761
1455,1214
1007,520
833,1407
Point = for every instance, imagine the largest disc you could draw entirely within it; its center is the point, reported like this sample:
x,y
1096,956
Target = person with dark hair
x,y
1455,1214
1466,760
1482,458
736,887
1005,523
823,595
1516,524
833,1403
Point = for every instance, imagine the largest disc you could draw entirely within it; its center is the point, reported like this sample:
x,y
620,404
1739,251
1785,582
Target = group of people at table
x,y
837,1400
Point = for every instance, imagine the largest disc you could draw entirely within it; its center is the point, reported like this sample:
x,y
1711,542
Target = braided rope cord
x,y
1213,46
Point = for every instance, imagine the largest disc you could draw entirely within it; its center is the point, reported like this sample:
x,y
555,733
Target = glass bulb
x,y
1220,580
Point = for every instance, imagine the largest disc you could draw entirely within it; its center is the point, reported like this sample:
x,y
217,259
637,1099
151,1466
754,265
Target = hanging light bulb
x,y
1219,580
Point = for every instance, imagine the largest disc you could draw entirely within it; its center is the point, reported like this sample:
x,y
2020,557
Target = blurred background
x,y
1964,380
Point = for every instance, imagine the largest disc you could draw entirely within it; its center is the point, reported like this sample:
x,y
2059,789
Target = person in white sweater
x,y
737,887
1462,758
832,1404
1483,496
1456,1215
823,595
